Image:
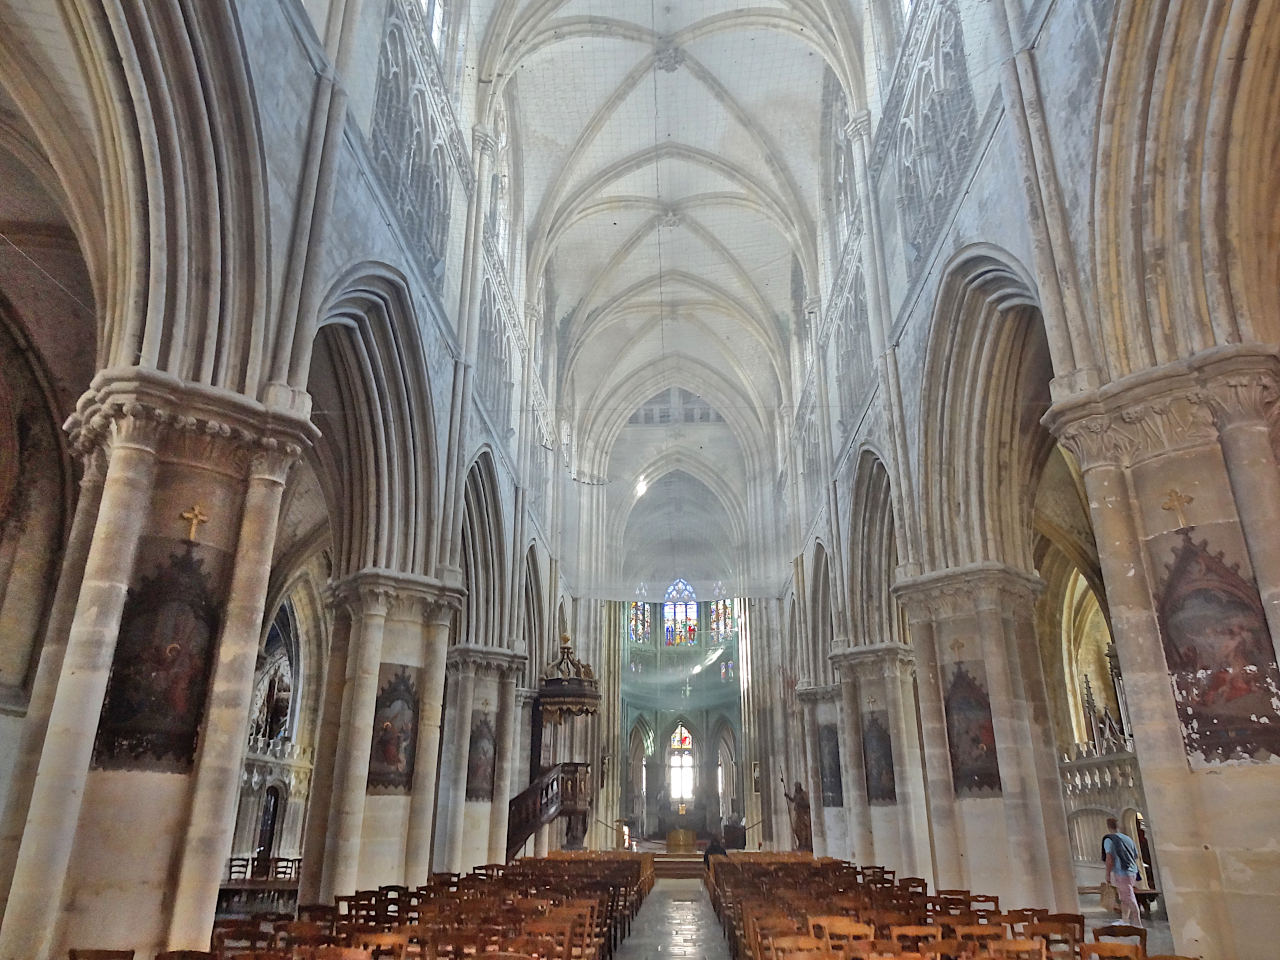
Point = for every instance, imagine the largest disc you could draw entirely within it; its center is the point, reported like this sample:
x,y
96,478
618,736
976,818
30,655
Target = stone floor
x,y
675,921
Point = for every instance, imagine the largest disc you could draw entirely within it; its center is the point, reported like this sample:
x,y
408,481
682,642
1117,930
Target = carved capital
x,y
817,693
859,126
1240,397
483,142
493,662
214,429
963,591
1178,406
887,660
273,459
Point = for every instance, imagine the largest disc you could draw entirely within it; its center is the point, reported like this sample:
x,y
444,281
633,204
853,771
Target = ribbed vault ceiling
x,y
669,165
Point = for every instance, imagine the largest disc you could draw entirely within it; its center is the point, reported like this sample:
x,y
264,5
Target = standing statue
x,y
801,824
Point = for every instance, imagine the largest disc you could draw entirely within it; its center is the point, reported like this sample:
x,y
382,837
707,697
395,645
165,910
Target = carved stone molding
x,y
402,595
888,660
962,591
493,662
208,427
1178,406
818,693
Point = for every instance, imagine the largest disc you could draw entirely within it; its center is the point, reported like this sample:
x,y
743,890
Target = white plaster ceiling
x,y
668,154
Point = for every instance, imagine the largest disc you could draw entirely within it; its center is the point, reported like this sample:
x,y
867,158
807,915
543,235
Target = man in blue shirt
x,y
1122,870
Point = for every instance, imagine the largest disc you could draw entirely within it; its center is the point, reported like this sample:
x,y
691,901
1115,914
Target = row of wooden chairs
x,y
561,908
797,908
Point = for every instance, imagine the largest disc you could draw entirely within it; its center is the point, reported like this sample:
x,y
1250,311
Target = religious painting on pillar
x,y
480,757
877,757
1221,660
159,681
971,738
829,765
395,730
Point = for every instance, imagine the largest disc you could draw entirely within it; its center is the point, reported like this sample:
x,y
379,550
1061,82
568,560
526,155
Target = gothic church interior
x,y
880,395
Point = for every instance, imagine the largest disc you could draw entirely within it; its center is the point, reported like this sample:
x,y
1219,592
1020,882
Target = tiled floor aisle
x,y
675,921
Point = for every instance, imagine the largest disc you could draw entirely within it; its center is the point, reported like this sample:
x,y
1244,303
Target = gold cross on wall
x,y
1177,502
195,516
957,647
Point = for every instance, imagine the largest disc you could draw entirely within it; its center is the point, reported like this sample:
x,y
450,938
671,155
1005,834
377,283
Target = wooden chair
x,y
187,955
796,945
1127,951
1054,934
1169,956
241,938
914,934
1122,931
393,945
1016,949
836,932
981,932
1075,919
101,954
948,949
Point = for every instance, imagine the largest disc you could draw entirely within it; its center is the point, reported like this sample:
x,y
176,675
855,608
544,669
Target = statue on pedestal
x,y
801,824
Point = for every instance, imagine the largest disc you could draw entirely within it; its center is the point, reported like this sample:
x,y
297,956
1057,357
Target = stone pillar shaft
x,y
1255,486
939,789
422,806
463,704
315,840
504,763
45,685
346,816
222,743
813,780
857,807
45,853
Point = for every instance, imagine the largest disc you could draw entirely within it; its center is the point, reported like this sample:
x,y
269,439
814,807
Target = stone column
x,y
464,673
857,808
315,839
898,668
1153,455
813,772
1242,392
438,619
504,764
222,743
939,788
368,596
45,685
54,811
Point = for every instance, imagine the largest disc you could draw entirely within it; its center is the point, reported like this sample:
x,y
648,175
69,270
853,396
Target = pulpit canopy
x,y
569,687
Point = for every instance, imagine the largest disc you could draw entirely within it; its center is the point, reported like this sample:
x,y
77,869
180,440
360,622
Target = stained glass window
x,y
638,623
723,626
681,764
680,615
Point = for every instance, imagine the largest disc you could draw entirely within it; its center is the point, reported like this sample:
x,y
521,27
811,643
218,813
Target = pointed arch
x,y
873,551
986,386
372,403
483,573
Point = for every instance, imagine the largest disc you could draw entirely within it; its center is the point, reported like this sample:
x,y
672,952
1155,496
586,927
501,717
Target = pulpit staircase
x,y
560,791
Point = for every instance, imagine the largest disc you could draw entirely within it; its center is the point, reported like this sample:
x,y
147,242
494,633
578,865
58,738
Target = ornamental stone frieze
x,y
1178,406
